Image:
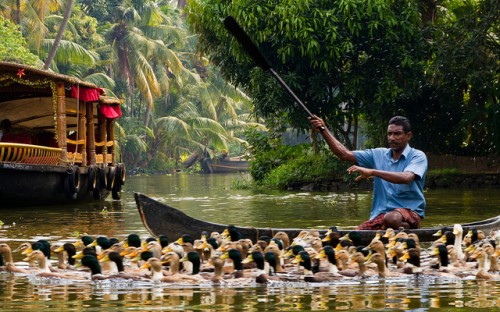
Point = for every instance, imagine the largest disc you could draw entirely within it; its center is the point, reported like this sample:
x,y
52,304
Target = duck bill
x,y
405,257
27,251
78,255
146,265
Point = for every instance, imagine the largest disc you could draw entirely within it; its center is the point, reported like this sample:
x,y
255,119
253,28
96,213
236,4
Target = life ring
x,y
120,176
72,182
92,178
111,178
96,193
122,173
115,192
102,177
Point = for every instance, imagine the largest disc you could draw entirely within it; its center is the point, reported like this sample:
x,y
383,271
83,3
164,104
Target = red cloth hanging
x,y
86,94
110,111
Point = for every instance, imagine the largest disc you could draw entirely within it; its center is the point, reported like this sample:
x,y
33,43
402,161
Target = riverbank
x,y
445,180
445,171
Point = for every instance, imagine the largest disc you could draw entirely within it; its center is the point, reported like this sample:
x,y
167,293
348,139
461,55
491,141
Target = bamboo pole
x,y
61,121
82,132
111,137
91,134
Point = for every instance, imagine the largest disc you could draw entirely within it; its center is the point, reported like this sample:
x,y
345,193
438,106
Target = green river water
x,y
211,198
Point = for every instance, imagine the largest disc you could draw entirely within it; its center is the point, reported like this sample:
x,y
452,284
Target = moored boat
x,y
224,164
160,218
57,141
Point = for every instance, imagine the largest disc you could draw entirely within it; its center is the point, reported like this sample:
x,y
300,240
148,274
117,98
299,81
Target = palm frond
x,y
53,21
174,125
71,53
101,79
151,14
170,35
168,58
207,124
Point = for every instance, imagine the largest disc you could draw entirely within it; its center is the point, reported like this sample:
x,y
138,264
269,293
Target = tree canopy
x,y
13,45
353,59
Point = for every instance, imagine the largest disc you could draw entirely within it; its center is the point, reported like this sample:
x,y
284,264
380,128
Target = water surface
x,y
210,197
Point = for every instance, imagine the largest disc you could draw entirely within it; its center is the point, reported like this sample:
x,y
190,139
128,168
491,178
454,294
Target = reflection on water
x,y
376,295
211,198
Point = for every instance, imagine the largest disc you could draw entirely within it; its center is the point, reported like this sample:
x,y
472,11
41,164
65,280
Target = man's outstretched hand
x,y
364,173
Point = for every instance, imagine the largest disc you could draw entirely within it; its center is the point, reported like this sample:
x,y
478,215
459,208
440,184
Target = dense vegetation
x,y
174,103
355,63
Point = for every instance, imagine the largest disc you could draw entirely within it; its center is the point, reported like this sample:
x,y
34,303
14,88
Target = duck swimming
x,y
304,260
173,276
482,273
235,256
262,275
332,237
8,260
379,260
39,257
285,239
91,262
458,232
68,250
113,256
132,240
101,243
232,233
84,241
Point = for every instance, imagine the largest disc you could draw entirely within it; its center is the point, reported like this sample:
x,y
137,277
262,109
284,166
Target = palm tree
x,y
139,54
33,17
62,28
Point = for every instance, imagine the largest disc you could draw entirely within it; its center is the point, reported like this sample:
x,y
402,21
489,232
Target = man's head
x,y
401,121
5,125
398,133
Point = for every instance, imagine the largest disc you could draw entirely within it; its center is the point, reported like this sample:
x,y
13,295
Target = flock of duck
x,y
225,258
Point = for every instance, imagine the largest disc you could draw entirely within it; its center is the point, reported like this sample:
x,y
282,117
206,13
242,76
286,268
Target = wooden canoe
x,y
160,218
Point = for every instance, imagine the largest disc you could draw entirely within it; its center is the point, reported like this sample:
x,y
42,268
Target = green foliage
x,y
465,66
276,165
268,153
307,167
161,163
445,172
13,45
368,60
338,56
242,184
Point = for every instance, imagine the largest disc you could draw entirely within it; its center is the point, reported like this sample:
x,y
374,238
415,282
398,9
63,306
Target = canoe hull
x,y
159,218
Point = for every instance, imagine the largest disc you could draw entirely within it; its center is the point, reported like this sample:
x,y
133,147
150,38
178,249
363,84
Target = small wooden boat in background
x,y
160,218
224,164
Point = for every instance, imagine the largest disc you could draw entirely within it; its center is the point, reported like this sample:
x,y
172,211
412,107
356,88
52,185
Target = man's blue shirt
x,y
388,196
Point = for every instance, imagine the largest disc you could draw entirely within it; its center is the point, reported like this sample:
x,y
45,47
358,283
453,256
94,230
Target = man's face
x,y
397,137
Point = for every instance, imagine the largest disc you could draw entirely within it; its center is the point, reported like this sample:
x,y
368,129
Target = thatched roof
x,y
35,73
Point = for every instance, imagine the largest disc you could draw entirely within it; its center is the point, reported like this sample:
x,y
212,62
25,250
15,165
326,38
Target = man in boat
x,y
398,171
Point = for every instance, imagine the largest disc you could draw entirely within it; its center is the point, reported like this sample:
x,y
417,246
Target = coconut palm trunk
x,y
57,41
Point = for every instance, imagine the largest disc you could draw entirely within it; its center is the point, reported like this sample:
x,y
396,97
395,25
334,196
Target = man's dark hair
x,y
401,121
6,125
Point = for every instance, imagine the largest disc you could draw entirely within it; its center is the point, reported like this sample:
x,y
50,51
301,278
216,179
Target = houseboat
x,y
57,142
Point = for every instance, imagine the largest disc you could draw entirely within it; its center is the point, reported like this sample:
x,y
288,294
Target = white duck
x,y
458,232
